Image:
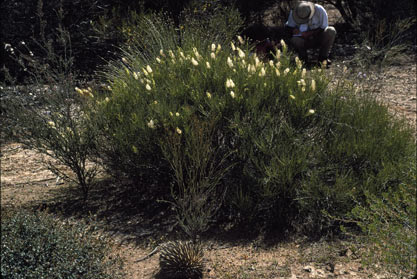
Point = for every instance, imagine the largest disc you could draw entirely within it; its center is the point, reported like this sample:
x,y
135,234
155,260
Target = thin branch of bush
x,y
48,112
199,169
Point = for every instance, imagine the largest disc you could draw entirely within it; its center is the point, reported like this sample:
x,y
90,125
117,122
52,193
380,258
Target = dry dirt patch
x,y
246,260
24,179
399,90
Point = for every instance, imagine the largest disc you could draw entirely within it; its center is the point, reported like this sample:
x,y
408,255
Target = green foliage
x,y
387,44
198,26
48,114
39,246
35,23
208,22
362,148
384,29
213,117
58,130
198,168
389,224
204,108
150,34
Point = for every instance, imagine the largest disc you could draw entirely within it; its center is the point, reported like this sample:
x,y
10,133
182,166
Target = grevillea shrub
x,y
269,136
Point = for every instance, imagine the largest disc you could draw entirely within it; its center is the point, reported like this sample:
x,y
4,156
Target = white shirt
x,y
319,20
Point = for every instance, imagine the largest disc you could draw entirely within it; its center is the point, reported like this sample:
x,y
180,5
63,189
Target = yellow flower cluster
x,y
240,39
151,124
230,83
86,92
313,85
229,62
238,61
311,112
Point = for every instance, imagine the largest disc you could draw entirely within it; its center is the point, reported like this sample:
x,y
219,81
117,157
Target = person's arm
x,y
291,27
311,33
291,31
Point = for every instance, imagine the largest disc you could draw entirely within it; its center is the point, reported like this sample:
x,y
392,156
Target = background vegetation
x,y
373,23
177,104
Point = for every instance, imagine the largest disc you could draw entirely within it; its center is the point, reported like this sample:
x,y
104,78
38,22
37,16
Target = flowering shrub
x,y
182,84
193,117
244,106
218,123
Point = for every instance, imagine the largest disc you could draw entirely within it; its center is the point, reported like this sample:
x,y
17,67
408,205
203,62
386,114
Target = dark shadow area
x,y
117,208
120,210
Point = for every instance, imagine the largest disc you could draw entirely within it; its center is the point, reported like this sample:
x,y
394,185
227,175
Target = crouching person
x,y
309,28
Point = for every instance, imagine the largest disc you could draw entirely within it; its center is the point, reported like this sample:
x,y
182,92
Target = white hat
x,y
303,12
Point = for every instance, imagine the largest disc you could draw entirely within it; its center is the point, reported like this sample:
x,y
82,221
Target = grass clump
x,y
35,245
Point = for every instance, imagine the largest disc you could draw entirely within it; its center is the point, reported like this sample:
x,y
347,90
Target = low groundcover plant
x,y
35,245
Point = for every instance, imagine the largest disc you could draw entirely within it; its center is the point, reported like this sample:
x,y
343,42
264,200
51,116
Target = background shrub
x,y
383,30
35,245
97,28
54,126
365,15
36,22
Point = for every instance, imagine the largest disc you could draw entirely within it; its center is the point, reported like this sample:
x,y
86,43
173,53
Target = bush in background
x,y
383,30
97,28
57,129
366,15
35,245
36,22
388,44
